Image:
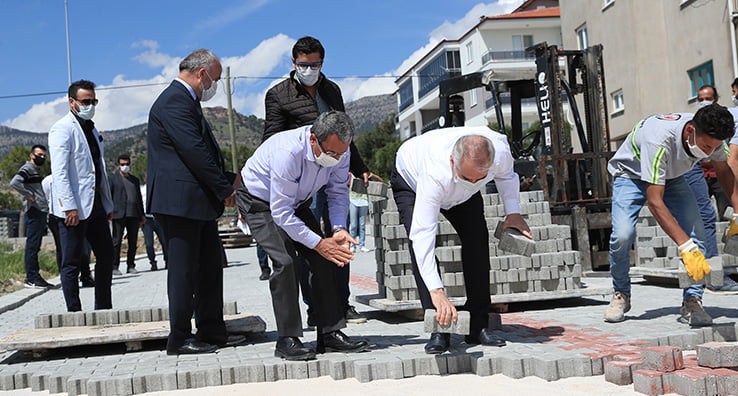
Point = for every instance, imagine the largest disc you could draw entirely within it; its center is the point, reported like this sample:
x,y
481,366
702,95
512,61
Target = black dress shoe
x,y
265,273
87,281
233,340
336,341
291,348
154,267
438,343
192,346
485,337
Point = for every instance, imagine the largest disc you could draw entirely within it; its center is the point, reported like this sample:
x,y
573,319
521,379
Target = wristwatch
x,y
338,228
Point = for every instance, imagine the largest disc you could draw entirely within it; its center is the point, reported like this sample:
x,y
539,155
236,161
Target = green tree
x,y
10,201
243,153
138,167
18,156
378,146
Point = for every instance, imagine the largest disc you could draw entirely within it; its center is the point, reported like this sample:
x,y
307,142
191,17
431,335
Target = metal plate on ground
x,y
388,305
59,337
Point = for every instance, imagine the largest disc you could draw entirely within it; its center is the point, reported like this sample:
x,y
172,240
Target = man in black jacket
x,y
297,101
128,213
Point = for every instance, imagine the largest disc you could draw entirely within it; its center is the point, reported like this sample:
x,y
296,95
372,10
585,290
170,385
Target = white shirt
x,y
424,163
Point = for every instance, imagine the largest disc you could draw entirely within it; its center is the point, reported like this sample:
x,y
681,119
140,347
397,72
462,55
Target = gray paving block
x,y
296,370
198,378
513,241
459,363
154,381
22,380
337,369
91,318
124,316
362,370
574,367
274,371
110,386
7,380
39,381
461,326
431,365
512,366
731,246
57,383
77,385
230,308
42,321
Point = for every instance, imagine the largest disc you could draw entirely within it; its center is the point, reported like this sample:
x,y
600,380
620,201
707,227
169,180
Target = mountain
x,y
366,113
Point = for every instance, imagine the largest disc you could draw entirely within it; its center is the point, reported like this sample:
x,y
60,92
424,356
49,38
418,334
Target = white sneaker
x,y
365,249
619,305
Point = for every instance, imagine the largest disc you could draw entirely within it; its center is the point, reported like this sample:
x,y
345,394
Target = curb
x,y
15,299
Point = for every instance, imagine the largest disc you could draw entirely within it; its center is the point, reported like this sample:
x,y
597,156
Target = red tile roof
x,y
551,12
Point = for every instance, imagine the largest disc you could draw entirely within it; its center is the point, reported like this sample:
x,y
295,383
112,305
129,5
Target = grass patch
x,y
13,269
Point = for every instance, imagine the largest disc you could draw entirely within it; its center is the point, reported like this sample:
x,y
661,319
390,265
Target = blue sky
x,y
119,43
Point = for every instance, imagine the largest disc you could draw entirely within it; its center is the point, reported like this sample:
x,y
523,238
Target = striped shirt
x,y
654,151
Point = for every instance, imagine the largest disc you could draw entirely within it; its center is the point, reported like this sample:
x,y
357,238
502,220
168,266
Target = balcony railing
x,y
433,124
430,82
506,56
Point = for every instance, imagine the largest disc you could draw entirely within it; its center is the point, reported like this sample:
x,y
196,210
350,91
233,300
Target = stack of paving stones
x,y
554,266
654,249
664,369
6,228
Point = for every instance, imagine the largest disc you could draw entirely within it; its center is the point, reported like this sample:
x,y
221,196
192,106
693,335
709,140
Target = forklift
x,y
576,184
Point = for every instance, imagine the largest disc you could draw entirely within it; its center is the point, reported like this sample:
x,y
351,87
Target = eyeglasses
x,y
333,153
124,164
87,102
314,65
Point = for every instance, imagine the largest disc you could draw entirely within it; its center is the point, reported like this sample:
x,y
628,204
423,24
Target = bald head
x,y
475,150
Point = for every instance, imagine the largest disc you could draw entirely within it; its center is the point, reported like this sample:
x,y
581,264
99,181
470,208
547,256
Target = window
x,y
406,94
582,37
473,98
618,104
701,75
521,41
469,53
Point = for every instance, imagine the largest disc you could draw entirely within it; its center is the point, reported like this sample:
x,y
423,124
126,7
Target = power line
x,y
166,83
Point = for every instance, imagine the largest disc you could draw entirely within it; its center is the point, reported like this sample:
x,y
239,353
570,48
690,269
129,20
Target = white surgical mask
x,y
208,94
696,151
734,99
86,112
705,103
326,160
307,75
125,168
467,185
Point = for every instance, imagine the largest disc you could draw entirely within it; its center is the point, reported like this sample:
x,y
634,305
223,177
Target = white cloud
x,y
229,15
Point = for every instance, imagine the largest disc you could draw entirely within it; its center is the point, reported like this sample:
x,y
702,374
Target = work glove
x,y
694,261
733,228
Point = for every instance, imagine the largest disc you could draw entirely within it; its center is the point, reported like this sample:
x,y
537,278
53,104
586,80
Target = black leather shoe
x,y
233,340
291,348
87,281
192,346
265,274
154,267
438,343
336,341
485,337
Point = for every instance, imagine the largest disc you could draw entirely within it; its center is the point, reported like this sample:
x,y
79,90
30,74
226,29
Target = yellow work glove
x,y
733,228
694,260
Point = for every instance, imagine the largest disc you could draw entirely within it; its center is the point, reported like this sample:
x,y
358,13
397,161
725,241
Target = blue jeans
x,y
357,223
35,230
696,180
263,257
150,227
628,197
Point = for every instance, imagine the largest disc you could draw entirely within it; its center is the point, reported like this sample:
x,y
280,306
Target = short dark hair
x,y
81,84
714,121
333,123
734,83
308,45
714,90
124,157
38,146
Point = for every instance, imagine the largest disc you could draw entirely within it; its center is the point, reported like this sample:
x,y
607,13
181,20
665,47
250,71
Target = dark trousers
x,y
35,230
84,268
96,231
194,280
130,224
286,268
263,257
722,200
319,207
150,228
467,219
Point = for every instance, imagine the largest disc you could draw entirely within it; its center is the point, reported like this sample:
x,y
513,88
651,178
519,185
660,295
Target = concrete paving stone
x,y
198,378
545,368
461,326
57,320
662,358
648,382
91,318
318,368
726,381
362,370
7,380
457,363
513,366
620,372
296,370
57,383
574,367
42,321
154,381
124,316
22,379
111,386
430,365
686,382
723,332
274,370
39,381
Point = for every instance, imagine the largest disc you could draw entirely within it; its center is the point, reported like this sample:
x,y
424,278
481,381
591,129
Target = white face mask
x,y
307,75
86,112
705,103
208,94
696,151
734,99
467,185
326,160
125,168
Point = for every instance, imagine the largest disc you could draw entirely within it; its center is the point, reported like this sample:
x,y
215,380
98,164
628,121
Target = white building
x,y
497,43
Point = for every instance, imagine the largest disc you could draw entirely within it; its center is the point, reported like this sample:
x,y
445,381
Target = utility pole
x,y
231,126
69,51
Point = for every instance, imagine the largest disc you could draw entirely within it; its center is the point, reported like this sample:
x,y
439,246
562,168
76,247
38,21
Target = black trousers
x,y
194,280
84,269
130,224
468,220
286,268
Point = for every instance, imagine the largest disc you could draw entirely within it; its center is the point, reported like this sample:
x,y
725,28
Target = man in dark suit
x,y
128,213
187,190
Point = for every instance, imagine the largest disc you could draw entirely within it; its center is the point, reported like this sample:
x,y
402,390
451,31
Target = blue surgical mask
x,y
86,112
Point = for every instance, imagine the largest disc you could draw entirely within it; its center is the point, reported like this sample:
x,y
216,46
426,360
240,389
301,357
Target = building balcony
x,y
506,56
433,124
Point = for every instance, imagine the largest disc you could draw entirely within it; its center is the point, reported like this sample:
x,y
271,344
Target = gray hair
x,y
199,59
476,148
333,123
